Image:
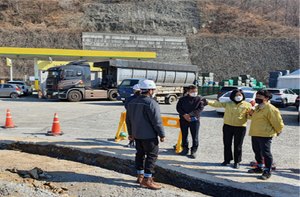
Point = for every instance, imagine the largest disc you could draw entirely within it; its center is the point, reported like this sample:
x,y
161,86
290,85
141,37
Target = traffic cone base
x,y
49,133
8,123
4,127
55,127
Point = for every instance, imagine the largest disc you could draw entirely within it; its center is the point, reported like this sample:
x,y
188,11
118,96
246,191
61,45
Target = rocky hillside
x,y
169,17
227,37
230,56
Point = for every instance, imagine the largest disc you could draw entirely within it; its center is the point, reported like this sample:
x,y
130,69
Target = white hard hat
x,y
136,87
147,85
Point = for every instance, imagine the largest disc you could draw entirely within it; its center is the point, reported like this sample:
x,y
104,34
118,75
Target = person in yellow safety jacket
x,y
235,122
266,123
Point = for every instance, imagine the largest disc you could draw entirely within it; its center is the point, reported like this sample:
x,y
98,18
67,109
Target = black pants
x,y
149,148
194,128
262,149
238,133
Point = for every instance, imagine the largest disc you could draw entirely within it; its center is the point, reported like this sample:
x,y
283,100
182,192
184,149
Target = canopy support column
x,y
11,72
36,74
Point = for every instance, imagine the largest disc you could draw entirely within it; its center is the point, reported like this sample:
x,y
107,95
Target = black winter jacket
x,y
143,118
190,105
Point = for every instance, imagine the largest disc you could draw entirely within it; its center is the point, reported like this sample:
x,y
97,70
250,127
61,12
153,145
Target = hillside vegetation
x,y
279,18
59,23
250,18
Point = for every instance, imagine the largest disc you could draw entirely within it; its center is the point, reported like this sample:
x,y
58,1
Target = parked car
x,y
298,114
297,101
26,87
10,90
282,96
230,88
249,97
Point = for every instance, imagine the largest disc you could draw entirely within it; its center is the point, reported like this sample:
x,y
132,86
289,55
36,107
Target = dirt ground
x,y
70,179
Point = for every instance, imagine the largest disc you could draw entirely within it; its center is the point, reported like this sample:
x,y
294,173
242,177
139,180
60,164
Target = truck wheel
x,y
112,95
74,96
171,100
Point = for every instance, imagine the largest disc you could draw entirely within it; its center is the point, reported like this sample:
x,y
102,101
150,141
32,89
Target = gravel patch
x,y
13,189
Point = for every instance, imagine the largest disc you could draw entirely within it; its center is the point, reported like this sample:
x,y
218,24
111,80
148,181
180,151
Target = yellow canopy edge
x,y
70,55
44,65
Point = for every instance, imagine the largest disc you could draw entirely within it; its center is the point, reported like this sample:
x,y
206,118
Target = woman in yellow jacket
x,y
235,122
266,123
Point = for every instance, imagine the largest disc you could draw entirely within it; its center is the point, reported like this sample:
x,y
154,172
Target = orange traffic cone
x,y
8,123
55,127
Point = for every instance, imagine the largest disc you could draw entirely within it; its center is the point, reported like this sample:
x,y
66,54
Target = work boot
x,y
149,183
266,175
193,155
225,163
140,178
131,144
236,165
256,170
185,151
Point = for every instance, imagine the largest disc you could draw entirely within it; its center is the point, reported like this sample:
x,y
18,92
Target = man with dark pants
x,y
266,123
189,108
136,93
144,124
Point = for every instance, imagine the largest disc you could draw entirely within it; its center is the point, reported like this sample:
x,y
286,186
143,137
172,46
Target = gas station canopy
x,y
37,54
71,55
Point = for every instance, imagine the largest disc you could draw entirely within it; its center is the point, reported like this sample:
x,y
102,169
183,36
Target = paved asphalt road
x,y
96,123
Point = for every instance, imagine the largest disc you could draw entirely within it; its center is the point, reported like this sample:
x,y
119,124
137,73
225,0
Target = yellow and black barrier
x,y
121,124
166,123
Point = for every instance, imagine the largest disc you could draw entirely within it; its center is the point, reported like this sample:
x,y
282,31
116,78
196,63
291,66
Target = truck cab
x,y
125,89
62,80
168,95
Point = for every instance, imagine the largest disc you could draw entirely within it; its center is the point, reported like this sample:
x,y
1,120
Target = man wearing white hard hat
x,y
144,125
136,92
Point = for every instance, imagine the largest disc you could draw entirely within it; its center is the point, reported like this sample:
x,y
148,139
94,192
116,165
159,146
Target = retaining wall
x,y
169,49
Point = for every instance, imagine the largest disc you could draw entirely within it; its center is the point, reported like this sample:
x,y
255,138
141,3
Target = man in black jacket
x,y
189,108
144,125
137,92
